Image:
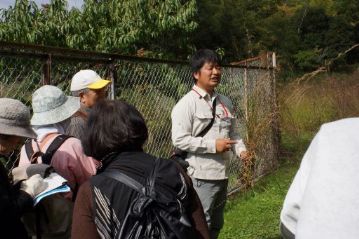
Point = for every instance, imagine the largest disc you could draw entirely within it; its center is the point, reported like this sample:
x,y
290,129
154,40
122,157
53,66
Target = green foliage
x,y
232,26
307,59
305,34
107,25
132,25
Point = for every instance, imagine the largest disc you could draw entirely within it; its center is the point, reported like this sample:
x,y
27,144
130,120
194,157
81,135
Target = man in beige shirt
x,y
207,155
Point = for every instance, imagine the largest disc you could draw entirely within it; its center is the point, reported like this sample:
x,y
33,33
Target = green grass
x,y
255,213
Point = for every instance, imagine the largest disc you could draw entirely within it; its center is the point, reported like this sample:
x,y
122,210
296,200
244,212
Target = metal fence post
x,y
276,127
113,78
46,71
245,83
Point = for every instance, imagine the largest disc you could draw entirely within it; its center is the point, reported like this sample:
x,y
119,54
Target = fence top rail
x,y
43,52
262,58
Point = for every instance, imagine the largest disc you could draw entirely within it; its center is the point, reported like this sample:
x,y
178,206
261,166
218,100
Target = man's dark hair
x,y
4,136
114,126
201,57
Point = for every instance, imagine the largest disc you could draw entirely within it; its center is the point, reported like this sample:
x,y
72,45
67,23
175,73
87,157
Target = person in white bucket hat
x,y
90,88
50,106
14,199
52,111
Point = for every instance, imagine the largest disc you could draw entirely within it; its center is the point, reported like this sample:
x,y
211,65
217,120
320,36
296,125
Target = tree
x,y
18,22
104,25
305,34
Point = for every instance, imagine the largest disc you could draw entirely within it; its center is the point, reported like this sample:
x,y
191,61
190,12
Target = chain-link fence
x,y
153,87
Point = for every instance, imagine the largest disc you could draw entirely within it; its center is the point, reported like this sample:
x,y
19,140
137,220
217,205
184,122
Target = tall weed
x,y
305,106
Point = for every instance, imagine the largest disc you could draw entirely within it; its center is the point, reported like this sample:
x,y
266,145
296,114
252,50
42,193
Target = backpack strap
x,y
55,144
47,156
123,178
28,149
179,155
209,126
147,190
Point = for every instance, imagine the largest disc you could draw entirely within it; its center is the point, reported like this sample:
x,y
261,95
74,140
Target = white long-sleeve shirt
x,y
323,200
189,117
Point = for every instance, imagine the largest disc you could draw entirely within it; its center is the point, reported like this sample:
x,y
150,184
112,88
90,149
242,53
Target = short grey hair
x,y
78,92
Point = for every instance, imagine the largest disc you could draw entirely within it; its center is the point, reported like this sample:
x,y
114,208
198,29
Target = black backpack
x,y
147,218
52,216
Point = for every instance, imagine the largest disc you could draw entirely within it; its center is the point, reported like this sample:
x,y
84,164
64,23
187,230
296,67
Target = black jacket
x,y
13,202
169,186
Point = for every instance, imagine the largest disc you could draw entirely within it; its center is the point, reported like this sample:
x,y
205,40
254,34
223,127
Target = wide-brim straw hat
x,y
50,106
15,119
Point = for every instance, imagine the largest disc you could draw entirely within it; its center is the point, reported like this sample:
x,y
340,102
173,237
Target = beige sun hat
x,y
50,105
15,118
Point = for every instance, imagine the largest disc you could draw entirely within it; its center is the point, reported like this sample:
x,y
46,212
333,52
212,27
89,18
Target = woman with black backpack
x,y
134,194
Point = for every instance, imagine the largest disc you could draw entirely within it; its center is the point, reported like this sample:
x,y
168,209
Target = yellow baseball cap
x,y
99,84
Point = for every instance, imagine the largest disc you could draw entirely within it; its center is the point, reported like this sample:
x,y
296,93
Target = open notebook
x,y
55,184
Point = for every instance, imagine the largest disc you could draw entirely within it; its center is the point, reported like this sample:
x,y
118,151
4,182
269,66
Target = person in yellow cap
x,y
90,88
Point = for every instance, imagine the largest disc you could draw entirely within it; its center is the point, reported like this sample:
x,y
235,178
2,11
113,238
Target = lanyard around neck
x,y
224,108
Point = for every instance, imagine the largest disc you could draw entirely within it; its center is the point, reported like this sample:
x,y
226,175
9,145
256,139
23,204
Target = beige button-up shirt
x,y
189,117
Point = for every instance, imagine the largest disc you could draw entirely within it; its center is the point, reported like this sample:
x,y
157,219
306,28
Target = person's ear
x,y
196,75
82,96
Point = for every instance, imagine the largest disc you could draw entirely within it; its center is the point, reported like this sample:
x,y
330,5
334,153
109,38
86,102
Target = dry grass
x,y
306,105
303,108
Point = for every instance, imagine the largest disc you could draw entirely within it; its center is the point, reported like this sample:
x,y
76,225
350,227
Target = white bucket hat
x,y
50,105
15,118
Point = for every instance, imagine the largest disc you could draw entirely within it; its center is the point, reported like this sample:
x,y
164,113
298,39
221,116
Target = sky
x,y
72,3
